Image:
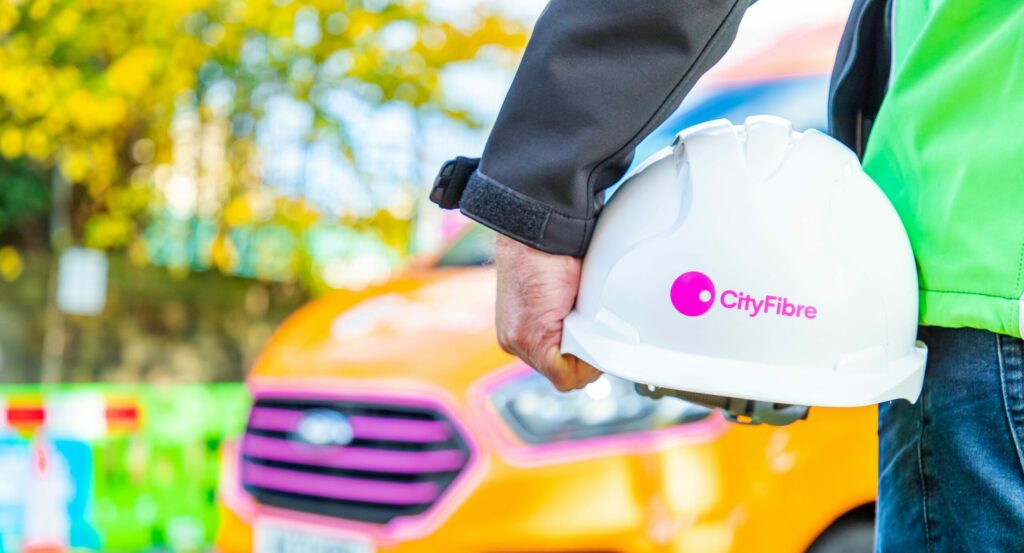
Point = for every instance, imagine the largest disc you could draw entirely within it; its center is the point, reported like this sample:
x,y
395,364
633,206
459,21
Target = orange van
x,y
391,421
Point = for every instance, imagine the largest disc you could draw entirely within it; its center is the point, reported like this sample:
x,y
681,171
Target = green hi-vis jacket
x,y
947,147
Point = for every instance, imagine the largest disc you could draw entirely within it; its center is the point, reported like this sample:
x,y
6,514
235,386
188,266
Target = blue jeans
x,y
951,466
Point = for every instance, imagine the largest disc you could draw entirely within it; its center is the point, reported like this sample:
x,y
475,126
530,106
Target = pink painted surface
x,y
278,420
370,428
356,458
807,51
400,392
394,391
452,225
379,428
339,487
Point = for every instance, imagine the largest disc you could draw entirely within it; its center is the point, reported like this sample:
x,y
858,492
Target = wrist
x,y
514,251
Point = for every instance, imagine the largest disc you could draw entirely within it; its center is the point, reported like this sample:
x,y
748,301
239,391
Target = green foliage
x,y
22,199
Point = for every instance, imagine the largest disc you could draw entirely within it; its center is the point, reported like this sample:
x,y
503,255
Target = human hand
x,y
536,291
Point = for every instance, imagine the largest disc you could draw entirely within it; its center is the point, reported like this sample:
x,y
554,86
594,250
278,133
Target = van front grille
x,y
357,460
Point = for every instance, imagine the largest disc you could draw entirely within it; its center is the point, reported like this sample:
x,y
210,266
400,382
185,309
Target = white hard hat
x,y
752,262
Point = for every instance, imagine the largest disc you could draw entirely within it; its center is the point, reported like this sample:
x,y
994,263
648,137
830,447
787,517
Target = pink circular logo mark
x,y
693,294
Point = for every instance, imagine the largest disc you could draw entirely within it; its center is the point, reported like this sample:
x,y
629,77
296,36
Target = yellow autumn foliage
x,y
11,264
84,83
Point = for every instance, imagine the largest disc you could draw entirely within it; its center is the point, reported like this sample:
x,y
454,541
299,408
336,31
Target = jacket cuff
x,y
524,219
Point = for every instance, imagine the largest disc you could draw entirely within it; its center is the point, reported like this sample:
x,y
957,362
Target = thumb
x,y
585,372
568,372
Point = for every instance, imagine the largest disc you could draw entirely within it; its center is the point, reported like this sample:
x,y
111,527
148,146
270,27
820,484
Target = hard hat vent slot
x,y
617,328
767,143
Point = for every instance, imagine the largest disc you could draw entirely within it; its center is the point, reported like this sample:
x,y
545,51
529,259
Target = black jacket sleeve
x,y
596,78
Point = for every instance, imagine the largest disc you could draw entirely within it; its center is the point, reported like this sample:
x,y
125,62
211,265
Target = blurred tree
x,y
156,328
142,126
155,106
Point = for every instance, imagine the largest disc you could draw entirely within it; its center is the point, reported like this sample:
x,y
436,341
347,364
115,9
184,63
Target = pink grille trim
x,y
365,427
355,458
339,487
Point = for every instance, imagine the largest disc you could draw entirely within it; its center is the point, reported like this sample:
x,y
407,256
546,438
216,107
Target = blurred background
x,y
179,176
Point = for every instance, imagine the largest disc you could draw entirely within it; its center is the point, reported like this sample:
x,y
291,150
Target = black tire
x,y
846,536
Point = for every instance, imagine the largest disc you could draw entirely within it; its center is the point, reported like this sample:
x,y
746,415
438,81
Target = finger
x,y
557,370
586,373
565,371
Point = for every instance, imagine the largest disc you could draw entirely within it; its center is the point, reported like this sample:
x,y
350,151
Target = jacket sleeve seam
x,y
679,84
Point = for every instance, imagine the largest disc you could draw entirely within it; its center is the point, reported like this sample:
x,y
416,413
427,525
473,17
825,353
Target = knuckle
x,y
519,334
504,343
510,339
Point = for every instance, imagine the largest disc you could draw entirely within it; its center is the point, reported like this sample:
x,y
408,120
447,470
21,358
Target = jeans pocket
x,y
1011,374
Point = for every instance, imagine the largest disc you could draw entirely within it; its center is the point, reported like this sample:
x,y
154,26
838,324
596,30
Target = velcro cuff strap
x,y
451,181
525,219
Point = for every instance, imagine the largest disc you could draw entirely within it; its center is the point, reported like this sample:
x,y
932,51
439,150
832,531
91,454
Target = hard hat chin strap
x,y
743,411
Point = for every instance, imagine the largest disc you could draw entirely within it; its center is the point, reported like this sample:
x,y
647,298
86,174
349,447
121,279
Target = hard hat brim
x,y
595,343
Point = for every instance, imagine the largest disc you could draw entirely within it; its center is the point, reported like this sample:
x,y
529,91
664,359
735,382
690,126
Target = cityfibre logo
x,y
693,294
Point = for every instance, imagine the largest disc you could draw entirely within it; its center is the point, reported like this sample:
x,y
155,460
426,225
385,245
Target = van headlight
x,y
539,413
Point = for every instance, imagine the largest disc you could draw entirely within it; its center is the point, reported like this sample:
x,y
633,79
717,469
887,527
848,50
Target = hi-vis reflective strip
x,y
122,414
25,416
28,415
